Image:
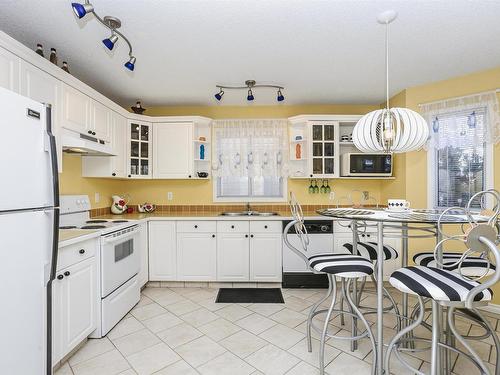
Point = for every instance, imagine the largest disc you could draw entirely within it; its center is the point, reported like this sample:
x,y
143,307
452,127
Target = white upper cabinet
x,y
139,155
110,166
173,155
9,70
100,121
76,111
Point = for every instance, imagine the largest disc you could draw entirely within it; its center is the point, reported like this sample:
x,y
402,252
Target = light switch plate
x,y
170,196
97,197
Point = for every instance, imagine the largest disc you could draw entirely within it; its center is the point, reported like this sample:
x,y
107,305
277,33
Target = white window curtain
x,y
250,148
469,118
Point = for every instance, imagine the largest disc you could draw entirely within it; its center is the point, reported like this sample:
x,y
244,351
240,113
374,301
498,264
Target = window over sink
x,y
250,159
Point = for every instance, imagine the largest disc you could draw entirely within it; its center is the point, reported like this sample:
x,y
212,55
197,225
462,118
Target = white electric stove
x,y
119,259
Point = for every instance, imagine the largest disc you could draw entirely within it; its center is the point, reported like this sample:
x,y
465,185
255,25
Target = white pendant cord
x,y
387,63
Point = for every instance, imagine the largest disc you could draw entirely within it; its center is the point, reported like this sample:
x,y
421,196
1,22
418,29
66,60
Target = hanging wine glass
x,y
328,190
316,188
323,187
311,188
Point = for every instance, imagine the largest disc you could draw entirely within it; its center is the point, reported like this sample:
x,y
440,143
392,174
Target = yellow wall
x,y
200,191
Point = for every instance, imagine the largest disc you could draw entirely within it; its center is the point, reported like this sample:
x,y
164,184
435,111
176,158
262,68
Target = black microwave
x,y
359,164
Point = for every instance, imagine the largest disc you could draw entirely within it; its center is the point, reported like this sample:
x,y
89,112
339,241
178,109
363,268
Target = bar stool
x,y
346,267
451,289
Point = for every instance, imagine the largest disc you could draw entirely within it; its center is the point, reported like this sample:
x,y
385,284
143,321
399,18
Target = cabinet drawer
x,y
265,226
75,253
232,227
196,226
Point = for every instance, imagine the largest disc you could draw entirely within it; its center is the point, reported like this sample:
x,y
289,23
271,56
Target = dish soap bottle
x,y
39,49
202,152
53,56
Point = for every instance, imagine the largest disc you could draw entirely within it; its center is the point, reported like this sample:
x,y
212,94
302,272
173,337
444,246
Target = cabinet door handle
x,y
82,251
129,175
60,277
66,273
232,226
196,226
213,235
246,235
113,174
265,226
90,132
251,235
189,176
93,133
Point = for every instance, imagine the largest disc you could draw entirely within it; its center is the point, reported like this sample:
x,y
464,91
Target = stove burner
x,y
68,227
120,221
96,221
93,227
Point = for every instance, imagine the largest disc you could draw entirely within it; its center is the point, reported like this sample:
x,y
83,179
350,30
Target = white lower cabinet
x,y
75,302
196,256
162,251
144,252
265,257
233,257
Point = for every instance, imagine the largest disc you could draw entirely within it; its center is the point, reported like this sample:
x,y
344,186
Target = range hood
x,y
77,143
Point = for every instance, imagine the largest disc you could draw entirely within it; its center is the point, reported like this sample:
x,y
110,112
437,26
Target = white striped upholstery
x,y
342,265
438,284
471,266
368,250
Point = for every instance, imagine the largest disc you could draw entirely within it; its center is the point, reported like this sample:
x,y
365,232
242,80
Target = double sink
x,y
248,213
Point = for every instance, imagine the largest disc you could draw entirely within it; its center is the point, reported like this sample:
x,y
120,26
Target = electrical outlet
x,y
331,197
366,195
97,197
170,196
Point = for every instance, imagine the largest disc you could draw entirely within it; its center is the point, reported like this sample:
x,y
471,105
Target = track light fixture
x,y
219,95
249,85
112,23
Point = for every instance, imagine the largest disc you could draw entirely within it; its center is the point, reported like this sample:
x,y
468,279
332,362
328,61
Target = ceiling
x,y
321,51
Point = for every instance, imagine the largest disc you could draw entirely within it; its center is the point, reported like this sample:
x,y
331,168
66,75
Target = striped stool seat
x,y
342,265
438,284
368,250
471,266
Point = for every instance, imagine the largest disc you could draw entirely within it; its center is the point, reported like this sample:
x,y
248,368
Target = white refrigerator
x,y
29,222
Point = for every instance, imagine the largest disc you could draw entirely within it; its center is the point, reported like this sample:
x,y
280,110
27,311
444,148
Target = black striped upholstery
x,y
368,250
471,266
342,265
438,284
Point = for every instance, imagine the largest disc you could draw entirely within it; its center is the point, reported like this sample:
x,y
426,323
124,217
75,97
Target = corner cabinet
x,y
139,153
316,146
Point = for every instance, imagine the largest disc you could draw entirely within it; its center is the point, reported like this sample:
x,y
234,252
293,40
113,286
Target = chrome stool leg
x,y
313,310
331,280
496,340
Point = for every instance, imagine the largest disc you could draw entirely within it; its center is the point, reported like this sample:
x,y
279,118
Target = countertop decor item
x,y
145,207
202,174
119,205
394,130
249,85
112,23
137,108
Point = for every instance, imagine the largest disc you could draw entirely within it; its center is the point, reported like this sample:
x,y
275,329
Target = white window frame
x,y
432,171
281,199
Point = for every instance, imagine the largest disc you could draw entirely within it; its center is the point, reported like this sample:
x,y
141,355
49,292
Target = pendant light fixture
x,y
250,84
394,130
112,23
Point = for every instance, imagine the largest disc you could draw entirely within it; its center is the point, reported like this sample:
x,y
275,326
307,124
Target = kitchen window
x,y
250,160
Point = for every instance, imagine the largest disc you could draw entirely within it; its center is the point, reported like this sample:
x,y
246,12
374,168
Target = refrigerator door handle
x,y
53,155
52,276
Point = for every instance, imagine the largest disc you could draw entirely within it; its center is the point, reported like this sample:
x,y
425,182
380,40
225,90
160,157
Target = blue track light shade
x,y
82,9
250,95
110,42
130,64
280,96
219,95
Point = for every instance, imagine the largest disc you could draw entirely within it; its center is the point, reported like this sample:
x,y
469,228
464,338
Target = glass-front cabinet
x,y
324,138
139,149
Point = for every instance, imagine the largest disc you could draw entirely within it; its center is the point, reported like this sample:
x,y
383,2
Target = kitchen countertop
x,y
72,236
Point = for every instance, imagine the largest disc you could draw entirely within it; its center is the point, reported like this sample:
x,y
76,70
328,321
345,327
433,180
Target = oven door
x,y
120,258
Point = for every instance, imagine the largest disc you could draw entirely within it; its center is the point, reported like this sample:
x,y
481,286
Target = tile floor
x,y
182,331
